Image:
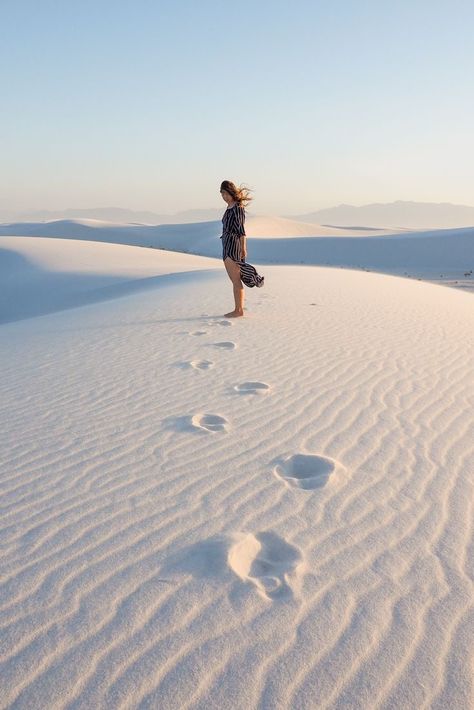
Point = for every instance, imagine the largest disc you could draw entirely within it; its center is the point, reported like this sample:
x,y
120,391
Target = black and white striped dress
x,y
233,227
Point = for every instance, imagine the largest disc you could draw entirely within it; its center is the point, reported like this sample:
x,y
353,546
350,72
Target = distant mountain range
x,y
399,215
393,215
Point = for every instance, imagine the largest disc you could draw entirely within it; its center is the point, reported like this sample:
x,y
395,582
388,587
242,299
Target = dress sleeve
x,y
240,220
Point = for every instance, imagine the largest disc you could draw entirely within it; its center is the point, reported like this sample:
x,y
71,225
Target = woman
x,y
234,249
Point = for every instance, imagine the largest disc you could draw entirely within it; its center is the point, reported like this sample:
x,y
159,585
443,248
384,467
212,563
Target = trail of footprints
x,y
263,559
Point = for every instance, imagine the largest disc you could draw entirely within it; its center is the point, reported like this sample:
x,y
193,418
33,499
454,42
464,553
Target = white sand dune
x,y
256,226
444,256
274,227
268,512
40,275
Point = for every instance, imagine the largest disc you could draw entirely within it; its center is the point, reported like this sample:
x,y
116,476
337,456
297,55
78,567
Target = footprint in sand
x,y
306,471
224,323
252,388
196,365
200,422
225,345
198,332
208,422
267,561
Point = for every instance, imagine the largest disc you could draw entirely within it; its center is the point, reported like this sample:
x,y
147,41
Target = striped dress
x,y
233,226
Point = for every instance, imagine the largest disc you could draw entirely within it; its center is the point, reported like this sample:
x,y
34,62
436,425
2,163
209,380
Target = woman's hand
x,y
243,248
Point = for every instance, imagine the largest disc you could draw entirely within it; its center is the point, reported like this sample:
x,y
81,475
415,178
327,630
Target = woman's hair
x,y
239,194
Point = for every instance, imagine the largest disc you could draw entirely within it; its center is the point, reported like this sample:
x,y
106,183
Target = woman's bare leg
x,y
233,270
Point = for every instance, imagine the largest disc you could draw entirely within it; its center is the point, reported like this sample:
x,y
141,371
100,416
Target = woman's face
x,y
226,196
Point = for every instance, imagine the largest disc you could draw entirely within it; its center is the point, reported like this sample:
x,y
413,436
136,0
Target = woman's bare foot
x,y
234,314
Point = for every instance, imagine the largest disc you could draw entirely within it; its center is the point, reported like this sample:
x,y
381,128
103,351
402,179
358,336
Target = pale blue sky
x,y
149,104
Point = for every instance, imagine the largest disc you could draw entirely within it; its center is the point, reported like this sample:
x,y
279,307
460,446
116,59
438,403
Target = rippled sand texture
x,y
278,516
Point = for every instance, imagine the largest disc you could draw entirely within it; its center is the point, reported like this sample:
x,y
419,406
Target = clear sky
x,y
150,104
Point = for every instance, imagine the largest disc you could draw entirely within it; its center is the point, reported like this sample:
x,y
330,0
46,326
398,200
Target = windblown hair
x,y
239,194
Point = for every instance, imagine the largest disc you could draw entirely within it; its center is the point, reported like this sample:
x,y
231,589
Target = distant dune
x,y
256,226
269,226
445,255
120,215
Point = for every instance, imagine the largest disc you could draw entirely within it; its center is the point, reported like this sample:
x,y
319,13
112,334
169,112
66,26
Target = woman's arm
x,y
243,245
240,221
240,228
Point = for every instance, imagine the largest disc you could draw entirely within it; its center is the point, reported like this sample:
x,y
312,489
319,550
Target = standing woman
x,y
234,248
